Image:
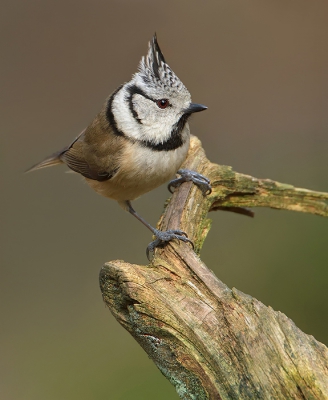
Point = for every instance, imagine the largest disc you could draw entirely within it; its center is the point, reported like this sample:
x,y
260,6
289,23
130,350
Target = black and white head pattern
x,y
151,108
155,72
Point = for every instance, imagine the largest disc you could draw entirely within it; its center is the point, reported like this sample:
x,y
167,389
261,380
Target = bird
x,y
138,141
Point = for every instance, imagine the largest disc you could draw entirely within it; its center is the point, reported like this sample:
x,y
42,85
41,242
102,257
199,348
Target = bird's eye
x,y
162,103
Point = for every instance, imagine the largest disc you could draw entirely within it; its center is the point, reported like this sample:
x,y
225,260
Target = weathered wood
x,y
209,341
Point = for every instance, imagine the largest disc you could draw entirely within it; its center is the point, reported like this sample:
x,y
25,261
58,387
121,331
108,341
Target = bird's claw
x,y
186,176
163,237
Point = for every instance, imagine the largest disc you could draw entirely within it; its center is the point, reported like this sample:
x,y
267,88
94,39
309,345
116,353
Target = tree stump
x,y
209,341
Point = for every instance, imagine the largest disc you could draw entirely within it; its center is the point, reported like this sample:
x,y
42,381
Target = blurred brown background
x,y
260,67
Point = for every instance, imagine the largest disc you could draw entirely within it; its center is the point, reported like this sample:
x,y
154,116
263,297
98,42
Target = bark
x,y
209,341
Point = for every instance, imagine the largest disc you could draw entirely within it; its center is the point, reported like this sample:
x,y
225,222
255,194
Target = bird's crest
x,y
154,70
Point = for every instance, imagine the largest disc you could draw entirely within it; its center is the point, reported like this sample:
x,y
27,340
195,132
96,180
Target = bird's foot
x,y
163,237
186,176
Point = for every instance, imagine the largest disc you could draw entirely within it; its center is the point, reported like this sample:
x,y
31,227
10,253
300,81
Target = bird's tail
x,y
54,159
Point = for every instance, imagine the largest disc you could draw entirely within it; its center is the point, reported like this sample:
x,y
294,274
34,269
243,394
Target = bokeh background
x,y
261,68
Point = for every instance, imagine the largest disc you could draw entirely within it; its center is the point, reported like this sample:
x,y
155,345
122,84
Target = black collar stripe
x,y
110,115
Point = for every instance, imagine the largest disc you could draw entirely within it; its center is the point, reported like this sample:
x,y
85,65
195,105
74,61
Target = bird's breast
x,y
141,170
146,169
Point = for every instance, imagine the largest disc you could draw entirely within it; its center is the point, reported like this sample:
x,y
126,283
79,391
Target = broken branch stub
x,y
209,341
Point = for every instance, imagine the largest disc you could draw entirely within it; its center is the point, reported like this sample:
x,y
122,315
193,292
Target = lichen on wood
x,y
209,341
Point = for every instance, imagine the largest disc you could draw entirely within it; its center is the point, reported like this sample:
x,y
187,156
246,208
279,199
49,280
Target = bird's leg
x,y
187,175
162,237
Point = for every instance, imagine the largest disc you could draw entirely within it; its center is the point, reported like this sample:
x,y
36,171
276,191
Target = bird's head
x,y
155,104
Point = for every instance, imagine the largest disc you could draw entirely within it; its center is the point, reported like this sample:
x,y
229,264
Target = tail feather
x,y
54,159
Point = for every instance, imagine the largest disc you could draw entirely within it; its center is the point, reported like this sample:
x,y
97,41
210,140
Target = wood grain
x,y
209,341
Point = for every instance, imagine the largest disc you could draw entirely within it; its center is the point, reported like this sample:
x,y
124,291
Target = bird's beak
x,y
193,107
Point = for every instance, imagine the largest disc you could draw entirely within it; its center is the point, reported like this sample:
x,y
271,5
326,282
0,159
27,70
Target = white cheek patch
x,y
125,121
146,109
155,126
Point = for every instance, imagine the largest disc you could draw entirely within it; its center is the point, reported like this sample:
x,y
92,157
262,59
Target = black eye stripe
x,y
134,89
